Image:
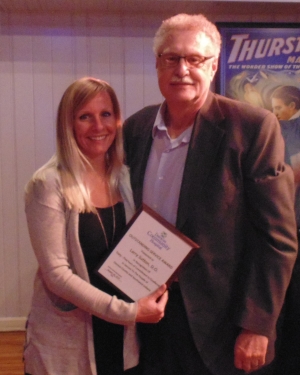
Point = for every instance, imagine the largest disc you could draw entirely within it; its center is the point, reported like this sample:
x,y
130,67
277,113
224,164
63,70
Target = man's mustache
x,y
186,80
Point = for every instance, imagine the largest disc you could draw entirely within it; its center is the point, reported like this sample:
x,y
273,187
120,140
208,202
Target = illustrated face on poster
x,y
283,111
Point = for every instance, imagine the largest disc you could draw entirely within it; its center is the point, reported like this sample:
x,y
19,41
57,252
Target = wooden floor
x,y
11,353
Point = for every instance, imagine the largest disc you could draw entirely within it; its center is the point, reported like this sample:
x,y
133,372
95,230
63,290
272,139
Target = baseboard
x,y
12,324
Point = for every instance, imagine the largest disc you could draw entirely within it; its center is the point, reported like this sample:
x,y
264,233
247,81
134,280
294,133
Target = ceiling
x,y
144,6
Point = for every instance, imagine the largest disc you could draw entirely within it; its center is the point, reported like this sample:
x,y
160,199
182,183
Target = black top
x,y
108,337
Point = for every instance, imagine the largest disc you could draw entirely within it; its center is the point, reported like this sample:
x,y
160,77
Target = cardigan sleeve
x,y
47,224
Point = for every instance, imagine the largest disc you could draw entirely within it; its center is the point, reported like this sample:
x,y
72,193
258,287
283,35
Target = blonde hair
x,y
195,22
68,159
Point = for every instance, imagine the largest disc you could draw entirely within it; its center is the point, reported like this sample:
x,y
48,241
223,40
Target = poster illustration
x,y
256,59
260,64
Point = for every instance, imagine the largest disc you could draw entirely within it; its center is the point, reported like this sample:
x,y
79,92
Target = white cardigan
x,y
59,331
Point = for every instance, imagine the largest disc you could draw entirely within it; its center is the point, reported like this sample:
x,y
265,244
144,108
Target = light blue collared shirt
x,y
163,177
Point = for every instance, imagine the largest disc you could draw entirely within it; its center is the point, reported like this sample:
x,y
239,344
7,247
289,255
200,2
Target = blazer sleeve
x,y
271,240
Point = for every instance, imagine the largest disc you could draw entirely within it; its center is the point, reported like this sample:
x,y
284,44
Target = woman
x,y
77,205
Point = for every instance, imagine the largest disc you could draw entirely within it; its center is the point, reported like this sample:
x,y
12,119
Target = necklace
x,y
114,220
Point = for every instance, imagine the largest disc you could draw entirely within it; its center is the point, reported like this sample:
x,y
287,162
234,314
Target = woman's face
x,y
95,127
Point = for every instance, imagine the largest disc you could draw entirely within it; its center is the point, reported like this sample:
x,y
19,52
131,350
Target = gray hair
x,y
196,22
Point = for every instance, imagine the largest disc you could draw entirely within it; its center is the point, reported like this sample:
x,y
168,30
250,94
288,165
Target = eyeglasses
x,y
170,60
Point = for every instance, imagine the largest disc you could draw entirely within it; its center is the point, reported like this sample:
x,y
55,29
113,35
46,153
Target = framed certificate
x,y
149,254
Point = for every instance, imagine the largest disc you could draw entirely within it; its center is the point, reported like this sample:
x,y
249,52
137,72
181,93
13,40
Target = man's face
x,y
183,84
281,110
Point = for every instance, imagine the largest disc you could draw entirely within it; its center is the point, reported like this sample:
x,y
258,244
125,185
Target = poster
x,y
256,59
260,65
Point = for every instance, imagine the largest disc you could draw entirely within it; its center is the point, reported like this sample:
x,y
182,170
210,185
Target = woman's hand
x,y
152,308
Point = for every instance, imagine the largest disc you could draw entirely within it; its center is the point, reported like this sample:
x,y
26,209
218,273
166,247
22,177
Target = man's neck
x,y
179,118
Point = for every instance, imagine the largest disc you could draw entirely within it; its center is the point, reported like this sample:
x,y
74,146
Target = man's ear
x,y
156,63
214,68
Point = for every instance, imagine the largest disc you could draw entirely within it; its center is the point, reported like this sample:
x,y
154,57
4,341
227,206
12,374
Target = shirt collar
x,y
159,125
296,115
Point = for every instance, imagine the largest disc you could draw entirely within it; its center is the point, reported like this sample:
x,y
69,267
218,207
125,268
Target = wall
x,y
40,55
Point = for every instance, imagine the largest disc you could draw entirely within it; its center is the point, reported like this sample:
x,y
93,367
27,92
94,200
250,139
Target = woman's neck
x,y
98,185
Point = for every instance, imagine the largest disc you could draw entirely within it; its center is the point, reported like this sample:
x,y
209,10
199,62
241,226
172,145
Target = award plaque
x,y
148,255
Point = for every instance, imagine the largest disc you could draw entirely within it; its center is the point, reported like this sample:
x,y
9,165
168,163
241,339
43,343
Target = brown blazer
x,y
237,203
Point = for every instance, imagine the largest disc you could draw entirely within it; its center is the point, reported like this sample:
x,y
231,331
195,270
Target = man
x,y
288,356
215,168
286,102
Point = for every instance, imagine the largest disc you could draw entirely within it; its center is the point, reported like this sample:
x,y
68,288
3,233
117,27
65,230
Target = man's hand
x,y
250,351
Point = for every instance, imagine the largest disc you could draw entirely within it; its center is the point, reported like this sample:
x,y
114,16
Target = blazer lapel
x,y
140,173
142,142
203,150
